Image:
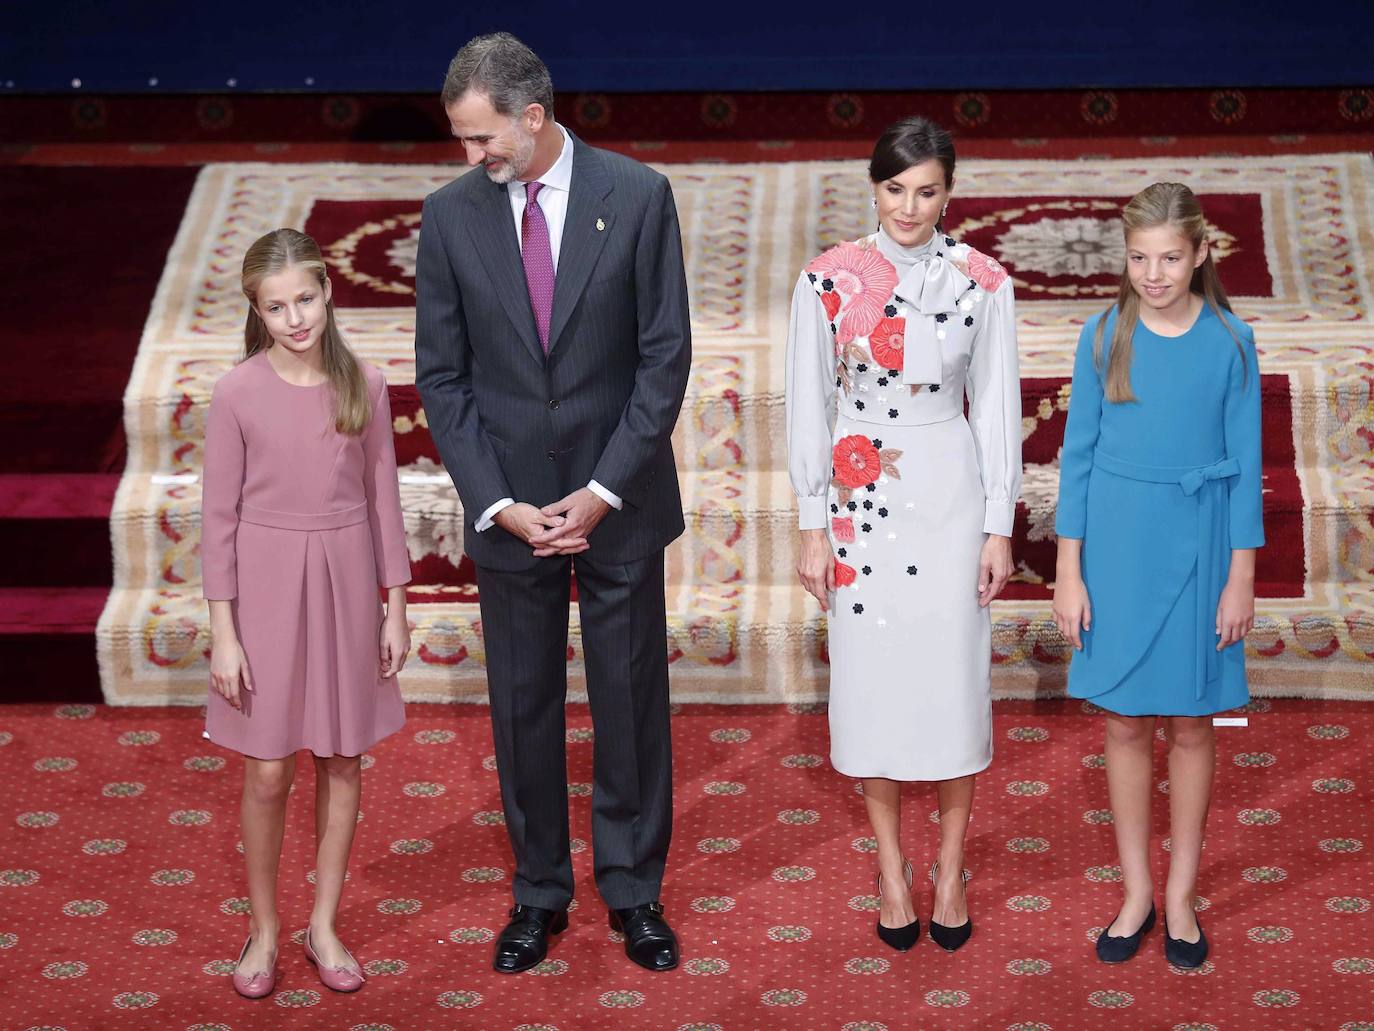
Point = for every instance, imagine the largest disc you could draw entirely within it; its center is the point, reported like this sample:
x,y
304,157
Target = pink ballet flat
x,y
339,979
263,983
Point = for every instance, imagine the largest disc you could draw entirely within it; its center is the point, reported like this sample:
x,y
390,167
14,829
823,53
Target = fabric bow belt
x,y
932,286
304,520
1207,483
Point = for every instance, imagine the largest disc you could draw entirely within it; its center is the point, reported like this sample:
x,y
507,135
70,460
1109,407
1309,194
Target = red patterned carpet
x,y
121,899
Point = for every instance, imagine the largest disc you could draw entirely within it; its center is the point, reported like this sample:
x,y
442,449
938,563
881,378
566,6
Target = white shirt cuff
x,y
612,499
486,521
999,517
812,513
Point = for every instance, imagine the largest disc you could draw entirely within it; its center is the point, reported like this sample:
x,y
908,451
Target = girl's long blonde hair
x,y
1171,204
268,256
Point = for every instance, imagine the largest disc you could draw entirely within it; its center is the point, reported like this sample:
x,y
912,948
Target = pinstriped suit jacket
x,y
509,421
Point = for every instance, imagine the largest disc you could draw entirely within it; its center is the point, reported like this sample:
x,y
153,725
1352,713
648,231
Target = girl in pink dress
x,y
301,524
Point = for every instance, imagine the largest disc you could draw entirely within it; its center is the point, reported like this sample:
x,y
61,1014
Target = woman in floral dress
x,y
906,505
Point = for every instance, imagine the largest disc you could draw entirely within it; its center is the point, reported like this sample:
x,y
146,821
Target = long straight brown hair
x,y
268,256
1171,204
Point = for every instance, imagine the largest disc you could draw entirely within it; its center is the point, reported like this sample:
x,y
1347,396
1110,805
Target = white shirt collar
x,y
559,176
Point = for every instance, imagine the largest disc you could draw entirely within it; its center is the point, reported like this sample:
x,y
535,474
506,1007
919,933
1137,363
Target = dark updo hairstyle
x,y
907,143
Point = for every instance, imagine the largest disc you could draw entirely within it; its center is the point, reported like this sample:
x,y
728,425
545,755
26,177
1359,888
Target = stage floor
x,y
121,891
1288,233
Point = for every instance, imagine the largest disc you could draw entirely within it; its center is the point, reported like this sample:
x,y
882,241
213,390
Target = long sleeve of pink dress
x,y
300,527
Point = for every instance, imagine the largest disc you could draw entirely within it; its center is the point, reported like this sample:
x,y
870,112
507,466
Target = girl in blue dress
x,y
1158,521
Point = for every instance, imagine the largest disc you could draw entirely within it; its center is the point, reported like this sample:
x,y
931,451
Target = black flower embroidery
x,y
882,512
949,241
871,487
868,505
968,320
892,413
868,527
843,552
882,381
867,570
859,405
890,311
852,506
827,284
942,317
861,367
811,277
834,508
911,570
935,388
858,610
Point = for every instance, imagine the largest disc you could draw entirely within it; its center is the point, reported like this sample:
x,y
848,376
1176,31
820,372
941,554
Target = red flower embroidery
x,y
985,271
864,280
857,462
843,529
831,300
844,575
886,342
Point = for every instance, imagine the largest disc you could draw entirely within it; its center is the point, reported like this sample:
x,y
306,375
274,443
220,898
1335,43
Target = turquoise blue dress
x,y
1160,490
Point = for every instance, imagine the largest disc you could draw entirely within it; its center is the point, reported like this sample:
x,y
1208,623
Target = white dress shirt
x,y
553,201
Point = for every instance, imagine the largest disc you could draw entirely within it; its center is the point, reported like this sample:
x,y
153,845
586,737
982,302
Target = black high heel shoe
x,y
1111,949
951,938
899,938
1183,954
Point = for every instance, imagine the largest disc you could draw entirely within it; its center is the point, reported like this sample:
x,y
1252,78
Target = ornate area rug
x,y
122,901
1291,235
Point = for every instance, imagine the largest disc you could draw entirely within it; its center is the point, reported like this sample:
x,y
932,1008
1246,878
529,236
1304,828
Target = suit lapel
x,y
492,229
588,224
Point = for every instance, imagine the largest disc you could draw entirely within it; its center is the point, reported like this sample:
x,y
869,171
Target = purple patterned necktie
x,y
537,255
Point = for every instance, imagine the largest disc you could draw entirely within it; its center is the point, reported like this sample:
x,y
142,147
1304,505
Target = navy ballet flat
x,y
1182,954
1111,949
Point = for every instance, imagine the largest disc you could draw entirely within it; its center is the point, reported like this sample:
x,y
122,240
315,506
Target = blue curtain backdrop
x,y
615,45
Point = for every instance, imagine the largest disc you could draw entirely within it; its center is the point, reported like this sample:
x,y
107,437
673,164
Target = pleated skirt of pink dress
x,y
309,618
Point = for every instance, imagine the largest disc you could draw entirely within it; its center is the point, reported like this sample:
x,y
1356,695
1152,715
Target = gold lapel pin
x,y
600,225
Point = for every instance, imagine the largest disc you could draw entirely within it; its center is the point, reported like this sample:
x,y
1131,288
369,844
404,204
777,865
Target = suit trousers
x,y
624,640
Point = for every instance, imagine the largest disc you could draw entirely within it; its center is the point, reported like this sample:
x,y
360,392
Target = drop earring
x,y
875,203
945,210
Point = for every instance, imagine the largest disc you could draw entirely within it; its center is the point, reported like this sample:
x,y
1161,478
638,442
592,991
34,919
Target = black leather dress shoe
x,y
1111,949
525,940
1185,955
649,941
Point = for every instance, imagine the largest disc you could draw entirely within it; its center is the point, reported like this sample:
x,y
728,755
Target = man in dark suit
x,y
552,351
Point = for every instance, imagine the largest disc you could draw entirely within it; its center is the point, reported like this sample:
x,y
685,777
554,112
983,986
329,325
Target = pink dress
x,y
300,526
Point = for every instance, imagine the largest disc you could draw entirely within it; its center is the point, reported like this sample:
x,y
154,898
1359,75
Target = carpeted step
x,y
92,241
55,529
734,643
724,426
750,518
47,643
